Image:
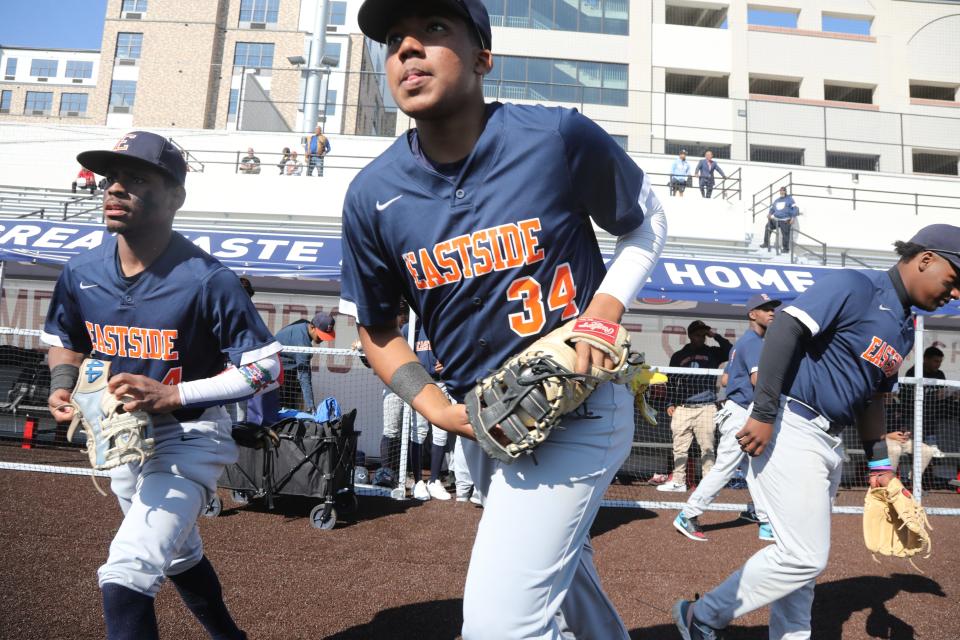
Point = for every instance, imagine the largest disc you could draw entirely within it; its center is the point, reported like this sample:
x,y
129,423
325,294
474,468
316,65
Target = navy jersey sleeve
x,y
64,324
843,294
234,321
749,353
610,185
368,282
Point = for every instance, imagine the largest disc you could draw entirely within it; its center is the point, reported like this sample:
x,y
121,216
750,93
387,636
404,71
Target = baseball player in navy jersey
x,y
183,338
740,375
482,218
826,362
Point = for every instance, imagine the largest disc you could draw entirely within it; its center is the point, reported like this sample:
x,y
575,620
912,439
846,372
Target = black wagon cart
x,y
296,457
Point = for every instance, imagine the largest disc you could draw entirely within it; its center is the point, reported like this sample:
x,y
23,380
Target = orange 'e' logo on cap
x,y
122,142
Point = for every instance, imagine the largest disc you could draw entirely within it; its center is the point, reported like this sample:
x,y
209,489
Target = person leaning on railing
x,y
782,215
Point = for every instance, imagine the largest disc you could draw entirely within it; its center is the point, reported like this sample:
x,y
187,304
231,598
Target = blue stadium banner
x,y
254,253
319,257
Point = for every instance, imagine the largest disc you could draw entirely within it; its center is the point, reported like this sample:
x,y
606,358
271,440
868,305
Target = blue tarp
x,y
319,257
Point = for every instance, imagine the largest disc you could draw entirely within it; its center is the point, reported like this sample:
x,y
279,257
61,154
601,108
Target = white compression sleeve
x,y
235,383
636,253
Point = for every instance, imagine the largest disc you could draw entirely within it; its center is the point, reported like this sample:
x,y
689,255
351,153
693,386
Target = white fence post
x,y
918,411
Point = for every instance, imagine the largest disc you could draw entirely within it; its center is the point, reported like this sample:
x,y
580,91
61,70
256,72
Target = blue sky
x,y
52,23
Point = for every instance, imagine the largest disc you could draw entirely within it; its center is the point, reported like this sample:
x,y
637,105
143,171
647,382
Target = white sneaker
x,y
420,491
673,487
437,490
475,499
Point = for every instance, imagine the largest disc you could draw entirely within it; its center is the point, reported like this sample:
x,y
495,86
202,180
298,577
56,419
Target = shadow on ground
x,y
438,620
609,519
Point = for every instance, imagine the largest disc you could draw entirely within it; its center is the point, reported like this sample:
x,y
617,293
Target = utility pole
x,y
317,48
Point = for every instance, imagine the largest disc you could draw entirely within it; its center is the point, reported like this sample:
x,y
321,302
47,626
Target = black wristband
x,y
64,376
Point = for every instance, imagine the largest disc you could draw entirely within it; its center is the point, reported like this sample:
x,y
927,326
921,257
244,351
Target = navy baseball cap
x,y
140,148
942,239
761,300
377,16
324,323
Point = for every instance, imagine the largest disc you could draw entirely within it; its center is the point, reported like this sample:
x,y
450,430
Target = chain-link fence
x,y
678,446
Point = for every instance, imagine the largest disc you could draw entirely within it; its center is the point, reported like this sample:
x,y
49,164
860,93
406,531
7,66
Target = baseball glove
x,y
513,410
639,385
894,524
114,436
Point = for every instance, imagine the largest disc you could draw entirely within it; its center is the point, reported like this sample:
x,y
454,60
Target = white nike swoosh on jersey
x,y
88,286
381,207
883,308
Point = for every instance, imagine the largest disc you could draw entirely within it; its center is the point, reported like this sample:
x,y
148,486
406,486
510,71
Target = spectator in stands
x,y
283,159
85,180
781,216
705,170
693,401
293,167
297,389
318,145
250,162
679,174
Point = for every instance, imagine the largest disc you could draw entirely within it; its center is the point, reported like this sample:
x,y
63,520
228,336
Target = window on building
x,y
700,16
41,68
253,54
122,94
136,6
5,98
545,79
768,17
697,85
11,67
79,69
587,16
38,103
775,86
932,91
73,103
840,23
696,149
266,11
853,161
338,13
128,45
776,155
333,50
234,101
944,164
620,140
330,106
847,93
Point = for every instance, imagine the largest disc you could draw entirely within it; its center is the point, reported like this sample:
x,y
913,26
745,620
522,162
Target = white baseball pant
x,y
532,563
730,419
162,500
795,478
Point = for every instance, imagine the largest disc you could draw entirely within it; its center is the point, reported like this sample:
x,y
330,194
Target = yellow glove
x,y
638,385
894,524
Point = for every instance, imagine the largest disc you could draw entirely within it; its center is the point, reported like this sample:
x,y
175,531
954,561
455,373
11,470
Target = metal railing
x,y
47,204
819,252
763,198
193,164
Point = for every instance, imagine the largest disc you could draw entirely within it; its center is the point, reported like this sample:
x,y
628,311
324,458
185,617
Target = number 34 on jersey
x,y
499,248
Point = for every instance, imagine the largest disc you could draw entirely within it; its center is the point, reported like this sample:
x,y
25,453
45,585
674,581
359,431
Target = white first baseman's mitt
x,y
513,410
114,436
